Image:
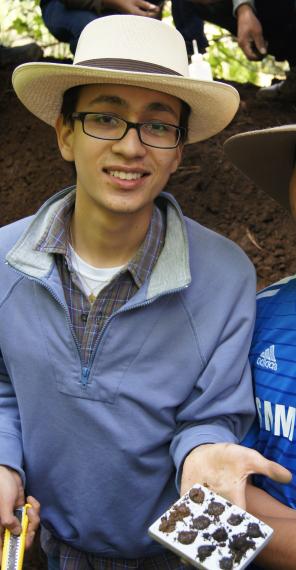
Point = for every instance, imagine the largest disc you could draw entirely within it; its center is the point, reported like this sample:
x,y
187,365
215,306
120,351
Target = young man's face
x,y
121,176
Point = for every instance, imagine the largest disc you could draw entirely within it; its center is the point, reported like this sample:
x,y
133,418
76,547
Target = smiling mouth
x,y
122,175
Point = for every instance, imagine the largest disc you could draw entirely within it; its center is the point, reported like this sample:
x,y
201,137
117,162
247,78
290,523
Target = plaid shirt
x,y
88,319
69,559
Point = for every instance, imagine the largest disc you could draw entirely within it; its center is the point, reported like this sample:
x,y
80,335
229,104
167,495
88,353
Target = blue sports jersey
x,y
273,361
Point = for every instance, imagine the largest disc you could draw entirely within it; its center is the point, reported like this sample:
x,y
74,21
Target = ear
x,y
64,132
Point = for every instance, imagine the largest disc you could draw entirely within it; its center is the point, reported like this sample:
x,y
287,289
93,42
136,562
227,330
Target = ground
x,y
207,186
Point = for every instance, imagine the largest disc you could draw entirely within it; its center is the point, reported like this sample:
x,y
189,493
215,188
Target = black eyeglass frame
x,y
181,131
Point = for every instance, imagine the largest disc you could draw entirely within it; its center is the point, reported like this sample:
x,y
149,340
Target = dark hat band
x,y
128,65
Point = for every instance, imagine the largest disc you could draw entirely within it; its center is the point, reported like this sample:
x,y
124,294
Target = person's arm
x,y
249,32
92,5
237,3
133,7
12,477
220,406
280,552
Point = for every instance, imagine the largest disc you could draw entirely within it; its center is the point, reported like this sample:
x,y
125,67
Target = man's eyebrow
x,y
157,106
114,99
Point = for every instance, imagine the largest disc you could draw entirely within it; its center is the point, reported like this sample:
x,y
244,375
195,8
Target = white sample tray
x,y
209,532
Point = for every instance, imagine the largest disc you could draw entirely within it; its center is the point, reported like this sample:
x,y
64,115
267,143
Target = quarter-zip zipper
x,y
124,310
85,370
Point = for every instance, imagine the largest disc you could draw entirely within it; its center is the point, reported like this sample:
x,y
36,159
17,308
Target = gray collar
x,y
171,271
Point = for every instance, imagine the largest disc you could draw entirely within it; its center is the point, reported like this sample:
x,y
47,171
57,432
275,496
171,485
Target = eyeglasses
x,y
109,127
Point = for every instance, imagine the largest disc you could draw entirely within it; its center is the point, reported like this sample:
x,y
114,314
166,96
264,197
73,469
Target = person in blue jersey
x,y
268,157
125,326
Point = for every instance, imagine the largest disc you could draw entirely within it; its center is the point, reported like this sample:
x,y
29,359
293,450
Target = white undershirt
x,y
92,279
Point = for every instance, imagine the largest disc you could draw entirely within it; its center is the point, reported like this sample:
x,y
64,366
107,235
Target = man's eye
x,y
157,128
105,120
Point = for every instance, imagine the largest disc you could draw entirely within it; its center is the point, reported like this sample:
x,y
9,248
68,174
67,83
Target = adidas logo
x,y
267,358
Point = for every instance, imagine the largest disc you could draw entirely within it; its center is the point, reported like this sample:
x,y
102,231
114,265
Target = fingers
x,y
262,466
250,34
9,521
33,513
253,52
259,45
250,49
147,9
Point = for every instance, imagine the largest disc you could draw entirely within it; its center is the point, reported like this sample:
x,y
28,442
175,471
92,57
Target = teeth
x,y
125,175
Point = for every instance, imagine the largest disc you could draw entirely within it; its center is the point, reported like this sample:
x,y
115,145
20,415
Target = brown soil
x,y
207,186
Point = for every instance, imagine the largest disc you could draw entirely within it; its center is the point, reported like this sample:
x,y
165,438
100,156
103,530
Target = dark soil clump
x,y
205,551
187,536
197,495
200,523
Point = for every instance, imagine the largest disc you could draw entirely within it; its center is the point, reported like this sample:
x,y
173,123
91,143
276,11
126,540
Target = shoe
x,y
281,91
19,54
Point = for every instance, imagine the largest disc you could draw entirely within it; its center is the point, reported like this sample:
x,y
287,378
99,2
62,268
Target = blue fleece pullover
x,y
100,448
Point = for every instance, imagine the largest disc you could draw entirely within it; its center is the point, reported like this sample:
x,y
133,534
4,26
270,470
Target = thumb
x,y
10,521
278,473
271,469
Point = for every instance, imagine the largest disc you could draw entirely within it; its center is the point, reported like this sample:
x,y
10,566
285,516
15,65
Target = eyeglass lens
x,y
109,127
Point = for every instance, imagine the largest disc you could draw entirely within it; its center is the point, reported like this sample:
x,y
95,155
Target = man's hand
x,y
249,33
133,7
12,496
225,468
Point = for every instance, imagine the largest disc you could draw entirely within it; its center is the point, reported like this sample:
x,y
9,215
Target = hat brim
x,y
40,87
267,157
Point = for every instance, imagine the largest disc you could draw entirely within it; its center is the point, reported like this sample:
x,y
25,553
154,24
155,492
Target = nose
x,y
130,145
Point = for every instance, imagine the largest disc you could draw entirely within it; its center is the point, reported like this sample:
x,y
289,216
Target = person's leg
x,y
66,25
13,56
189,24
218,12
279,27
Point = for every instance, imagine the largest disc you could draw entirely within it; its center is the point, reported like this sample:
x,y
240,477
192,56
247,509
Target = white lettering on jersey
x,y
278,419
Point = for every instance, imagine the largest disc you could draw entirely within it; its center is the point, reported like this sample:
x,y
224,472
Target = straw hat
x,y
129,50
267,157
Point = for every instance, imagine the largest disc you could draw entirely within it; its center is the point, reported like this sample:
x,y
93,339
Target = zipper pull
x,y
85,374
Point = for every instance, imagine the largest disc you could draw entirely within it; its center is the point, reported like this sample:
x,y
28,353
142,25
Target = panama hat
x,y
128,50
267,157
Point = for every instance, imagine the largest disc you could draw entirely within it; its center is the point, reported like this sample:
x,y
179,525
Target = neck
x,y
107,240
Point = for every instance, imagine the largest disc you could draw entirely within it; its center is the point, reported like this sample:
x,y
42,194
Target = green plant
x,y
21,19
229,62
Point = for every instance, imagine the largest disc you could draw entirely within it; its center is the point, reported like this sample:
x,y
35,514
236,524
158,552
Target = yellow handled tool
x,y
14,546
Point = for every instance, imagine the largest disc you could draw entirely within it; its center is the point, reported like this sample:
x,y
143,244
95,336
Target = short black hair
x,y
71,97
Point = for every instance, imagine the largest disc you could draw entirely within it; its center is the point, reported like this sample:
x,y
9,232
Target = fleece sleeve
x,y
237,3
221,406
92,5
11,450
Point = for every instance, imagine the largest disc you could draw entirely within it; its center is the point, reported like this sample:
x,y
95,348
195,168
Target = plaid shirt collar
x,y
56,241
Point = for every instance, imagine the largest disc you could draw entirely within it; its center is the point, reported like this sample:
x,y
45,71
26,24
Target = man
x,y
272,352
261,27
132,323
